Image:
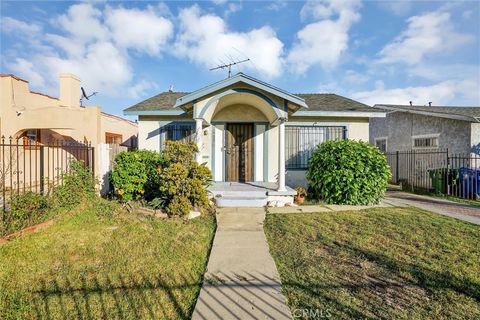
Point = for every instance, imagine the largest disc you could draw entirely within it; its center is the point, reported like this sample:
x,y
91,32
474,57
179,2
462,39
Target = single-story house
x,y
412,127
250,131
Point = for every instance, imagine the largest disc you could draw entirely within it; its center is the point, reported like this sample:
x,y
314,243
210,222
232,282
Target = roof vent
x,y
171,88
411,103
430,103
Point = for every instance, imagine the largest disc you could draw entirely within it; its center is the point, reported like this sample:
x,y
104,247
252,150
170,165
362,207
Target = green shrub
x,y
78,184
135,174
348,172
25,210
31,208
183,182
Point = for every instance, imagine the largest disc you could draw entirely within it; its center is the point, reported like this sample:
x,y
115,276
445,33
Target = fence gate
x,y
436,171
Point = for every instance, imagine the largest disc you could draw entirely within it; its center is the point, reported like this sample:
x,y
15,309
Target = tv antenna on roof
x,y
85,96
229,66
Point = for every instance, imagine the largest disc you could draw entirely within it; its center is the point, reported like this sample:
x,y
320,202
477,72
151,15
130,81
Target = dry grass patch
x,y
94,263
400,263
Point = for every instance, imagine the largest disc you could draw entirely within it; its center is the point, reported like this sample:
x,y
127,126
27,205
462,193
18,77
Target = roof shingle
x,y
315,102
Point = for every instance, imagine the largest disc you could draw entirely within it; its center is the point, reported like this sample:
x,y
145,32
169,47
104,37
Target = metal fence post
x,y
396,168
42,171
93,161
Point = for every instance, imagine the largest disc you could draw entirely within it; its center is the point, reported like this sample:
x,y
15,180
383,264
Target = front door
x,y
239,152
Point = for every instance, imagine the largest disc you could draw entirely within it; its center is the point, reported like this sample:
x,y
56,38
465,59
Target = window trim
x,y
386,142
163,129
35,143
305,125
426,136
113,135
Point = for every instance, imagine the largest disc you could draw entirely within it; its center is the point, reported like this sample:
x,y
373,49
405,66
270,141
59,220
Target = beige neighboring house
x,y
256,138
48,132
41,118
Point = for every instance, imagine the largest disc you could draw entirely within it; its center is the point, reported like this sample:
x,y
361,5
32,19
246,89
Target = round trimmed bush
x,y
348,172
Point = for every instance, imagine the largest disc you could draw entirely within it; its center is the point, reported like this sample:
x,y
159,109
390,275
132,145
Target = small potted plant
x,y
301,194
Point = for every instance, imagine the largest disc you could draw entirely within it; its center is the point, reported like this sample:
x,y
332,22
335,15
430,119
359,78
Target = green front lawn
x,y
96,264
398,263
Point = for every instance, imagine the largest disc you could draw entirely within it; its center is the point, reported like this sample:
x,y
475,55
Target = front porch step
x,y
240,194
241,201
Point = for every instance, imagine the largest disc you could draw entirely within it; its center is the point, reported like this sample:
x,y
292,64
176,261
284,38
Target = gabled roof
x,y
319,104
311,104
161,102
240,77
470,114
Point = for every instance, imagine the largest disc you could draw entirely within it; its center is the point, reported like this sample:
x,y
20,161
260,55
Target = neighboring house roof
x,y
471,114
319,104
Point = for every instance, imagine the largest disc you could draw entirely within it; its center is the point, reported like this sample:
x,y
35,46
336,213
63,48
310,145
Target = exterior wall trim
x,y
339,114
169,112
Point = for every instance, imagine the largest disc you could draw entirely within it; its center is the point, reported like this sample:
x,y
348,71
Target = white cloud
x,y
355,77
323,42
398,7
13,25
27,70
141,30
94,45
232,8
219,2
425,34
442,93
277,5
205,39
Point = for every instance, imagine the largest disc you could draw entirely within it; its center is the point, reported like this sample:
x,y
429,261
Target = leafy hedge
x,y
135,174
348,172
171,180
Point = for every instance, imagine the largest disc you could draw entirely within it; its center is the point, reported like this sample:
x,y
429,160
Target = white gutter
x,y
155,113
339,114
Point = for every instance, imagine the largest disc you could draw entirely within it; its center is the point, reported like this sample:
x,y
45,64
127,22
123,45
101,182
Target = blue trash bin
x,y
470,182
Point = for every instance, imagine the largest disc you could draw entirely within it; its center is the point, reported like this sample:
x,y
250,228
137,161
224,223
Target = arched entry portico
x,y
242,110
242,120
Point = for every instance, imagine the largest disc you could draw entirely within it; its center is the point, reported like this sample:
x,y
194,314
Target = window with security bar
x,y
178,131
425,142
300,142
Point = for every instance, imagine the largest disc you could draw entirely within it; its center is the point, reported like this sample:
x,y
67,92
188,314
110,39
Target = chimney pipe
x,y
411,104
69,90
430,103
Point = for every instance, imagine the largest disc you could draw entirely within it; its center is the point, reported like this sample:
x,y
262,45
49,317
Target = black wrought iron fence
x,y
27,166
437,171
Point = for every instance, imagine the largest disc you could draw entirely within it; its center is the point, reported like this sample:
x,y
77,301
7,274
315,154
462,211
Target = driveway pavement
x,y
241,281
452,209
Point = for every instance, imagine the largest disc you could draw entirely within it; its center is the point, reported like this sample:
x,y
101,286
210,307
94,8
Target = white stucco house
x,y
252,135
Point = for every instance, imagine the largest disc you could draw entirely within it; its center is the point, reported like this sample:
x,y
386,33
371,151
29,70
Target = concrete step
x,y
240,194
241,201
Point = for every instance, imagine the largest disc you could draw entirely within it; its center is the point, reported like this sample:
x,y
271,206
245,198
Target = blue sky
x,y
374,52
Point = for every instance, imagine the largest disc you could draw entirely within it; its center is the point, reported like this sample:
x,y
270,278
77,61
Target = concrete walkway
x,y
452,209
241,281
